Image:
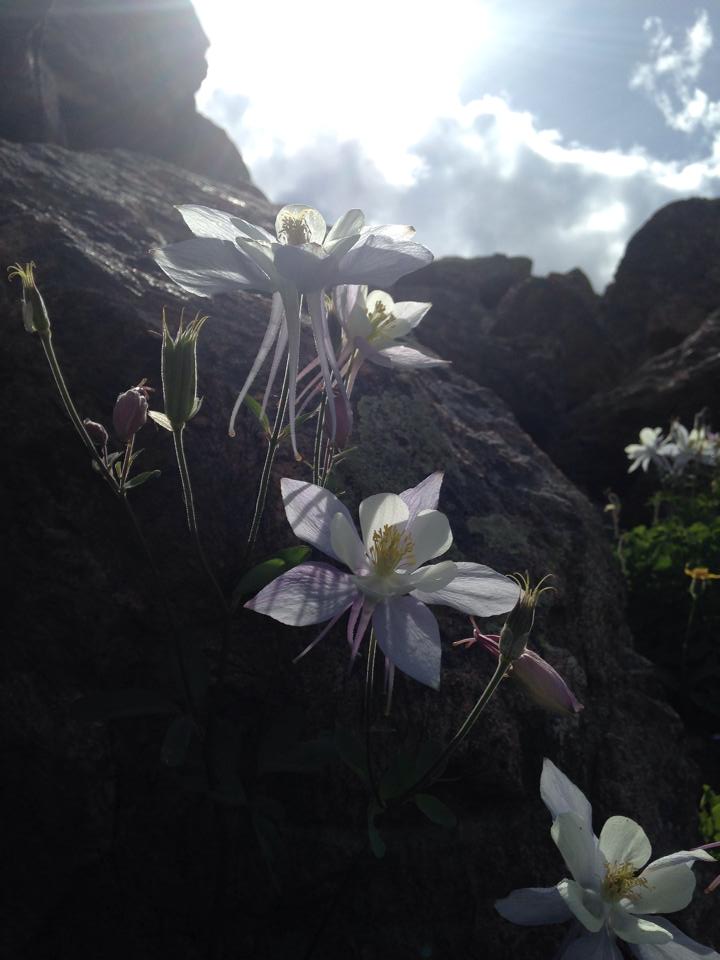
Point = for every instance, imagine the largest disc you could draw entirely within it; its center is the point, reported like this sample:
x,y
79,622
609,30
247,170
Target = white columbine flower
x,y
647,451
303,259
389,581
610,896
684,446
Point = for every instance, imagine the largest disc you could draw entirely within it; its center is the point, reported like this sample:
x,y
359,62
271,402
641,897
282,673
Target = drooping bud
x,y
97,432
34,311
130,413
179,372
343,421
515,633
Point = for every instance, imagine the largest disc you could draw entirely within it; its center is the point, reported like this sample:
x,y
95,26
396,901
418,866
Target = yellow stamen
x,y
26,274
390,548
379,318
294,230
621,880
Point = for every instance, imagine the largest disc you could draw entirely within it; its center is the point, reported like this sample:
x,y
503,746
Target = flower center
x,y
294,230
620,881
379,318
390,548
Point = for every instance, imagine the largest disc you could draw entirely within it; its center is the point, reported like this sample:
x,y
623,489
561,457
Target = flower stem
x,y
367,714
504,664
192,516
273,445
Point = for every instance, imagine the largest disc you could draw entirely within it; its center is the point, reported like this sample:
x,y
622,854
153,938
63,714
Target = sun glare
x,y
321,68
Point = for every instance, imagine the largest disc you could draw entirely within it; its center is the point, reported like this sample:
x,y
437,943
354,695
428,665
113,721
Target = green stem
x,y
192,516
273,445
427,778
127,460
367,714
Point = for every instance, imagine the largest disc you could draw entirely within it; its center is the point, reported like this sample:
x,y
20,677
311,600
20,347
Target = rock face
x,y
97,832
97,73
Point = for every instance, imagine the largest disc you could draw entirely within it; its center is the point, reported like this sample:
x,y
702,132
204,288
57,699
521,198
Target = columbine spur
x,y
610,895
303,259
390,581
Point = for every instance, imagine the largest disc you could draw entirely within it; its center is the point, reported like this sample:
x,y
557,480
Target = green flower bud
x,y
34,311
179,372
516,630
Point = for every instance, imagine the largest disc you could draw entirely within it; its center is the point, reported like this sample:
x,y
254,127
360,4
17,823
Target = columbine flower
x,y
303,259
130,412
684,446
541,681
390,581
608,898
34,311
648,451
179,372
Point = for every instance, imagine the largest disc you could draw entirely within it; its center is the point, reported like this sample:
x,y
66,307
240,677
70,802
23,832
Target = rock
x,y
668,280
96,831
93,74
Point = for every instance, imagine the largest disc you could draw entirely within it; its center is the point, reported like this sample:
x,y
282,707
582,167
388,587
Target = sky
x,y
546,128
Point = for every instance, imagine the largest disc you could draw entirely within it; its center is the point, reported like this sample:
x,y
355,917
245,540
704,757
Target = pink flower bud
x,y
97,432
343,421
130,412
542,682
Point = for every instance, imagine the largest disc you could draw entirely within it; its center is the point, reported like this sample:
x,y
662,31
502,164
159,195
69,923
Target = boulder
x,y
107,855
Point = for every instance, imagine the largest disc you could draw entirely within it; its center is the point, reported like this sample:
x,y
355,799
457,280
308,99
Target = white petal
x,y
681,947
206,222
204,266
408,635
593,946
379,261
477,590
431,536
624,841
382,509
381,298
633,929
396,231
587,906
349,224
346,298
683,856
433,577
424,496
578,845
533,906
407,358
347,544
314,221
669,887
310,510
302,267
560,795
310,593
406,316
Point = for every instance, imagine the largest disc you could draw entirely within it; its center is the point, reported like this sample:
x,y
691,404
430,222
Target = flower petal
x,y
683,856
408,358
378,511
408,635
206,222
380,298
433,577
586,906
406,316
349,224
560,795
578,845
633,929
622,840
681,947
271,335
533,906
431,535
347,544
310,593
593,946
544,684
669,887
311,218
379,261
310,510
306,269
424,496
205,266
477,590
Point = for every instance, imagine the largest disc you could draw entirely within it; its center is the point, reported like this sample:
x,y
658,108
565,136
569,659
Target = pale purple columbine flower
x,y
542,682
390,581
303,260
649,450
610,895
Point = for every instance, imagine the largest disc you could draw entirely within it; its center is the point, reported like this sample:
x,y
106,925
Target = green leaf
x,y
160,419
400,774
177,740
264,573
113,704
141,478
257,411
377,844
292,556
435,810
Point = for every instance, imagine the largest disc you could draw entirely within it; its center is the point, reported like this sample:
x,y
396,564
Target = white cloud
x,y
670,75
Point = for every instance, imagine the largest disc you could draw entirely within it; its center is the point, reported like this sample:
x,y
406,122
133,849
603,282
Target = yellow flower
x,y
701,573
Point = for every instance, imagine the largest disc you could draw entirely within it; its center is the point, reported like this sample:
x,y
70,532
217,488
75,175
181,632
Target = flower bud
x,y
97,432
34,311
516,630
179,372
343,421
130,413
